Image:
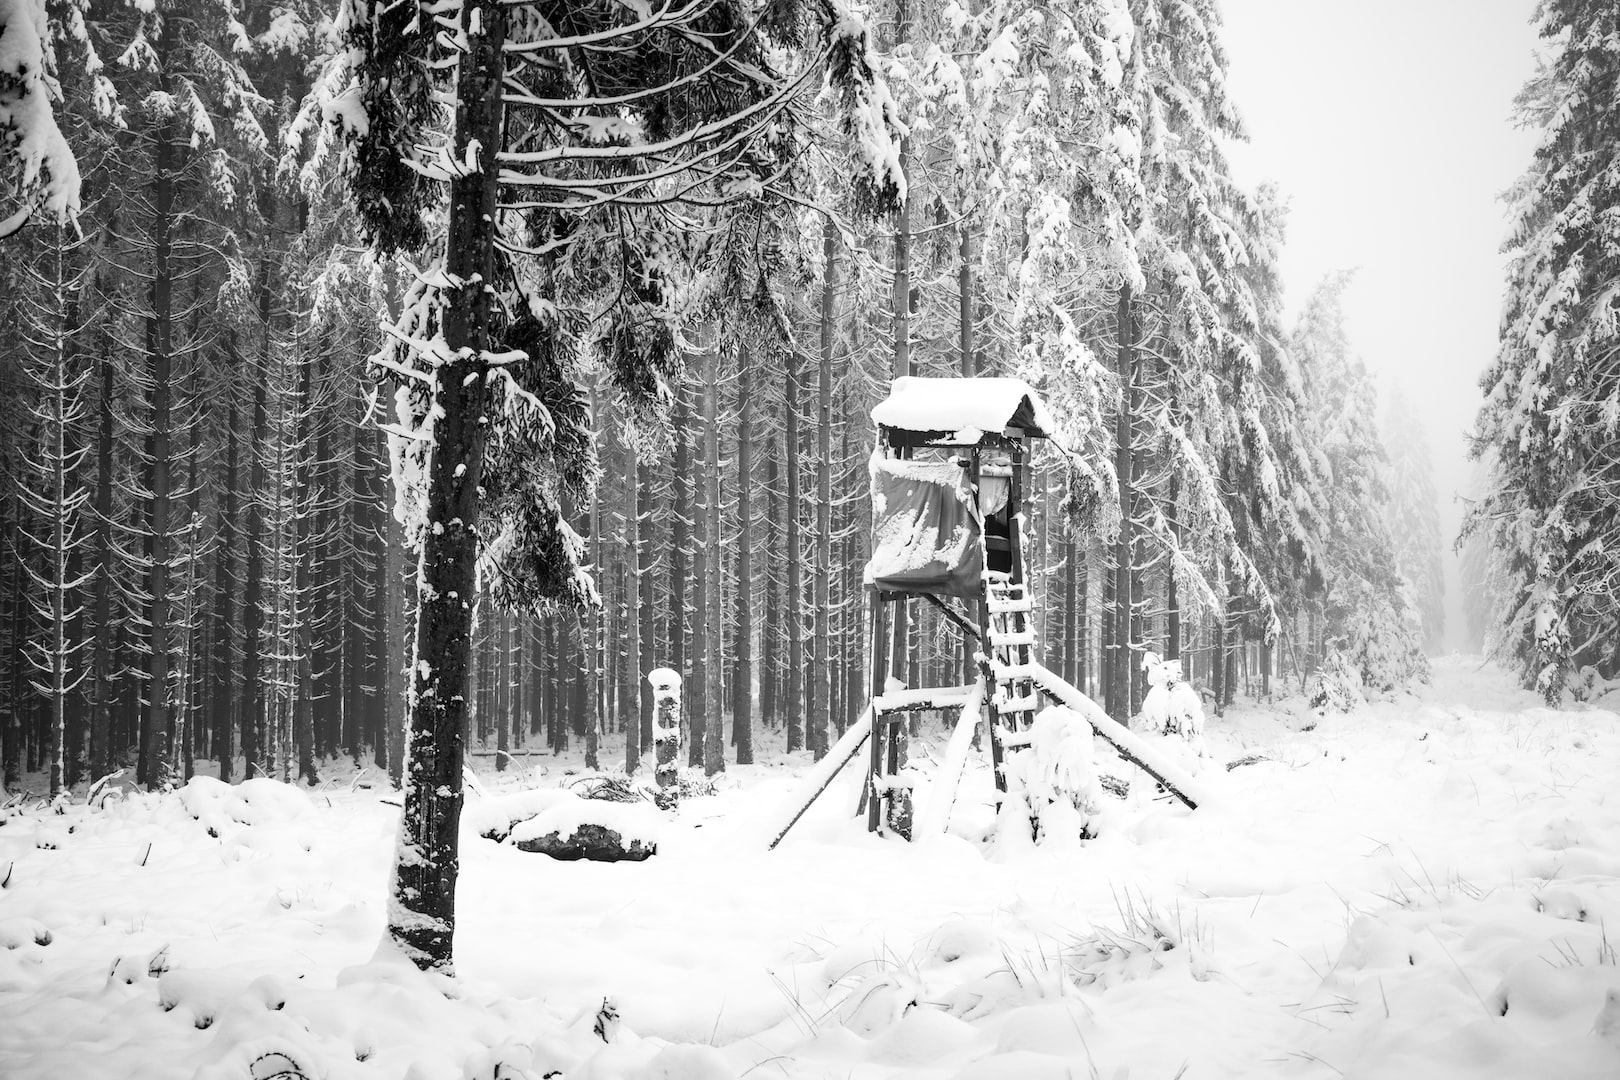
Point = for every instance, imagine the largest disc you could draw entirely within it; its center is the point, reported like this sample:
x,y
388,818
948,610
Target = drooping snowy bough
x,y
37,169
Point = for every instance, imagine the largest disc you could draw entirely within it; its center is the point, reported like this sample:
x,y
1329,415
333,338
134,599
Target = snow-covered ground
x,y
1421,889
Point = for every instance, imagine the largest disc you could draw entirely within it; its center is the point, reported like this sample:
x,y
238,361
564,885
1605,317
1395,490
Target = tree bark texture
x,y
422,914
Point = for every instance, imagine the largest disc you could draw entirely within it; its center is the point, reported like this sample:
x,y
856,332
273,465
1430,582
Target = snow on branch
x,y
37,168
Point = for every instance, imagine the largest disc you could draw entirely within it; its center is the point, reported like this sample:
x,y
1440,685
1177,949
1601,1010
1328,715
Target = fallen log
x,y
597,843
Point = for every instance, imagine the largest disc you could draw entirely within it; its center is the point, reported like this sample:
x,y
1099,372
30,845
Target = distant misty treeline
x,y
203,558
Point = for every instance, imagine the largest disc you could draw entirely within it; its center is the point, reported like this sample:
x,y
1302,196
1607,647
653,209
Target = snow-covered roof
x,y
968,407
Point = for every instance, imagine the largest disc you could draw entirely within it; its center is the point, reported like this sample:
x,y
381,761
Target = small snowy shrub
x,y
1171,706
1552,647
1052,781
1335,687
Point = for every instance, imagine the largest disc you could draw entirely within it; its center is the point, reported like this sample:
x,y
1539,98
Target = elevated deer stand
x,y
947,499
947,510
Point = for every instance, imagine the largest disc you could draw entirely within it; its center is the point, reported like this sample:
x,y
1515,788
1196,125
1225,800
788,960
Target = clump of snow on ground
x,y
1424,887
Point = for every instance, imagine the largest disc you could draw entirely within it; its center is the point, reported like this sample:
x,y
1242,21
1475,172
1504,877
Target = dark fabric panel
x,y
926,540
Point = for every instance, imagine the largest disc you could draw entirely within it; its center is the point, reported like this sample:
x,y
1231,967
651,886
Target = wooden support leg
x,y
880,727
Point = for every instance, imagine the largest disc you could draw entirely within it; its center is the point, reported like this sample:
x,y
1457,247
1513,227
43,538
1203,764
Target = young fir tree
x,y
1549,419
51,488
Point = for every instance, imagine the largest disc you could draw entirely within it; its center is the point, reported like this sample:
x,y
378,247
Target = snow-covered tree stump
x,y
666,688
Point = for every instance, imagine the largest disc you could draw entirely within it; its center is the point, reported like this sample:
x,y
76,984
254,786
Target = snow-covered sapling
x,y
666,690
1172,706
1335,687
1052,779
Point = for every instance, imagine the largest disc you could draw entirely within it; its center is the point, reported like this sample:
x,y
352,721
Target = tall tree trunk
x,y
254,674
1120,682
595,628
160,360
680,528
821,687
680,534
58,384
742,711
503,690
422,915
771,635
793,600
714,742
101,717
695,704
224,594
303,598
646,603
396,649
632,622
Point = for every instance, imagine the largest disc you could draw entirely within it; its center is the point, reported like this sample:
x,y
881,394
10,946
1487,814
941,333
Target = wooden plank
x,y
1129,745
817,779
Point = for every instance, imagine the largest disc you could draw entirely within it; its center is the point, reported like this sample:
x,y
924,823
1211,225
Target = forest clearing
x,y
1425,887
702,539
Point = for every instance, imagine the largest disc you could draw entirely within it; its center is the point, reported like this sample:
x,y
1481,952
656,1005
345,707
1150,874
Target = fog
x,y
1387,124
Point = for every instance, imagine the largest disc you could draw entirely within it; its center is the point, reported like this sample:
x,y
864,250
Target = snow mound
x,y
260,801
529,815
493,817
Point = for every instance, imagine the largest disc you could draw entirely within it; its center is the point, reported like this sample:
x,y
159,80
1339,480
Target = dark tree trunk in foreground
x,y
422,914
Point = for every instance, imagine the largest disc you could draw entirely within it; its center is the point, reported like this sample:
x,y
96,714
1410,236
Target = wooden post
x,y
880,733
666,695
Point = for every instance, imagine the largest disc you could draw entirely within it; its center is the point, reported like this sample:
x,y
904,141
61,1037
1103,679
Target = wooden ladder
x,y
1008,651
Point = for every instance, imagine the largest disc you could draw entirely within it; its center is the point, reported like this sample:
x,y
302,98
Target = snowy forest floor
x,y
1423,888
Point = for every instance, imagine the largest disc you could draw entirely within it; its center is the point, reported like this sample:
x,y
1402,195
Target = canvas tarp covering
x,y
925,536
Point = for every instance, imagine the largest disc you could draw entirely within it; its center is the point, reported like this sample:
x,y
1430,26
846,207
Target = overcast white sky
x,y
1387,124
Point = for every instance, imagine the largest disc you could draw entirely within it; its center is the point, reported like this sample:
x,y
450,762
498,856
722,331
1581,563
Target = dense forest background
x,y
207,552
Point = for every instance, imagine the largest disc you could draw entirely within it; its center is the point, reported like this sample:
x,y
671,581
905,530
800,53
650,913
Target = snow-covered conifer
x,y
1549,420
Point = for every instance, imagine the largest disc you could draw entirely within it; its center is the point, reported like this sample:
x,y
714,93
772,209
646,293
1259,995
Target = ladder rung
x,y
1001,607
1012,637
